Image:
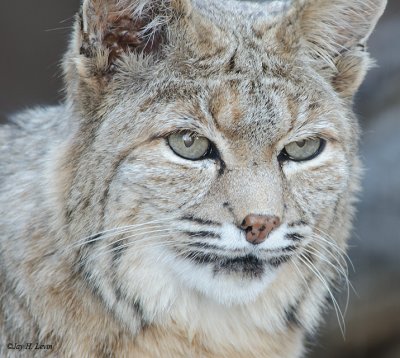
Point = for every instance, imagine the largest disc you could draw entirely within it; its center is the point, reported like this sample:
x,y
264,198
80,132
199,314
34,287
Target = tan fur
x,y
251,78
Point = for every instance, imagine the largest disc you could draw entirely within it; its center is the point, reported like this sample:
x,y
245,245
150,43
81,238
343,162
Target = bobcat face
x,y
189,212
222,151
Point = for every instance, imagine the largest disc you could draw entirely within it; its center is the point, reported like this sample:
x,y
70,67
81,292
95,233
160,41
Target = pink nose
x,y
258,227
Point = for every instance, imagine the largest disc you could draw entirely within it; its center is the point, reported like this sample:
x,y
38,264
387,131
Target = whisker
x,y
130,244
128,232
339,262
338,311
58,28
300,274
332,252
117,231
135,235
340,271
339,258
333,243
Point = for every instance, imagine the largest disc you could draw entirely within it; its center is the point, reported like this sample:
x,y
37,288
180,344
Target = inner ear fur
x,y
114,27
334,35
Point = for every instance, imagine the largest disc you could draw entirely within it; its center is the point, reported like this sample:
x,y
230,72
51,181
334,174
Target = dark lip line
x,y
286,251
221,262
245,251
204,257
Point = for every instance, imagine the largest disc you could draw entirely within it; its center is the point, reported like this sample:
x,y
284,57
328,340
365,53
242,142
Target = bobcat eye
x,y
306,149
189,145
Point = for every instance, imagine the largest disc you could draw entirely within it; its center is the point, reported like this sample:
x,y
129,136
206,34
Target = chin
x,y
230,282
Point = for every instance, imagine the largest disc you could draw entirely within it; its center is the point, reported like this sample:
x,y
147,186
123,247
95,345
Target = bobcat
x,y
193,194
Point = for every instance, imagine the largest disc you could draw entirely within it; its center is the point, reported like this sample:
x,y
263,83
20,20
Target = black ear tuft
x,y
121,35
115,27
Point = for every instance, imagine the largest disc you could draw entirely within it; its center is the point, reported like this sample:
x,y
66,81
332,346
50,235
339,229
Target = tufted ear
x,y
110,28
334,33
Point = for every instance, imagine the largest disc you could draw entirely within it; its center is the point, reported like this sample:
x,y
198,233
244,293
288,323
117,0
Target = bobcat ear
x,y
334,33
110,28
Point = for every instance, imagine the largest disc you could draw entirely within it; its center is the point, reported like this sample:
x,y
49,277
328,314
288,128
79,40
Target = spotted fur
x,y
111,245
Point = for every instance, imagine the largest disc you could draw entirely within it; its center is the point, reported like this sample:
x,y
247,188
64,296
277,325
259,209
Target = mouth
x,y
247,266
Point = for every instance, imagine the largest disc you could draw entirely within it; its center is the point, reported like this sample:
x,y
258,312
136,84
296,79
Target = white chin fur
x,y
226,289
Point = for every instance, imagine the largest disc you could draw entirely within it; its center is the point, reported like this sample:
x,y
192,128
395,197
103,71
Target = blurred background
x,y
35,35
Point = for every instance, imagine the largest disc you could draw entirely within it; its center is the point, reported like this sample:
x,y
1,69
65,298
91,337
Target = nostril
x,y
276,222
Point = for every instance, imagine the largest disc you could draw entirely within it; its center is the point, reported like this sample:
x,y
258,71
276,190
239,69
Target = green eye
x,y
306,149
189,145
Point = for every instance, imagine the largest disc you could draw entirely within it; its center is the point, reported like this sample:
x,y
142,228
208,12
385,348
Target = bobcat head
x,y
214,148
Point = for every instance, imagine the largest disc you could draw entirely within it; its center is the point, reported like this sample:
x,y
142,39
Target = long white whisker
x,y
339,258
343,260
131,244
119,233
339,314
339,262
301,274
116,231
135,235
332,243
340,271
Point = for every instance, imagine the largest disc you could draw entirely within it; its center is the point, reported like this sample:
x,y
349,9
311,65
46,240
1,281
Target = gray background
x,y
34,35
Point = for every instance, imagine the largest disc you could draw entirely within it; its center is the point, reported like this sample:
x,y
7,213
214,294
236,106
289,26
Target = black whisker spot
x,y
278,261
290,248
205,234
203,245
298,223
200,221
201,257
294,237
